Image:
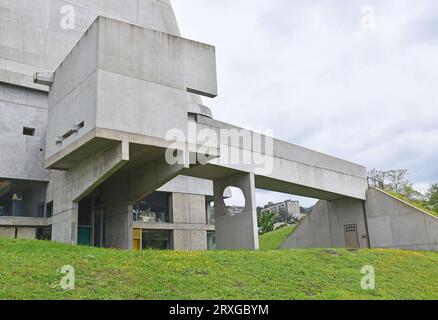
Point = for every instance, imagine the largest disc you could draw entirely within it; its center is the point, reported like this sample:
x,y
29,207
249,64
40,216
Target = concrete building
x,y
291,207
105,141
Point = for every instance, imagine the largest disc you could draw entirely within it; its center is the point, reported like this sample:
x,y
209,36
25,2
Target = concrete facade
x,y
382,221
90,115
394,223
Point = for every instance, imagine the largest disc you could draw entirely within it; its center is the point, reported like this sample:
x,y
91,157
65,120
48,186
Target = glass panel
x,y
210,213
154,208
211,240
156,239
22,198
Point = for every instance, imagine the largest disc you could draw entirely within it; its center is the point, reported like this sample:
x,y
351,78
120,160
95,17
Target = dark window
x,y
20,198
44,234
85,218
49,209
156,240
155,208
28,131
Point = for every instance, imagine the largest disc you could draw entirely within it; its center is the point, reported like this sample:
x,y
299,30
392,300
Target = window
x,y
156,208
22,198
49,209
210,212
44,234
211,240
28,131
156,240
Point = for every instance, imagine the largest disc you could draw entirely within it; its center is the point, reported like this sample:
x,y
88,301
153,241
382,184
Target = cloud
x,y
311,72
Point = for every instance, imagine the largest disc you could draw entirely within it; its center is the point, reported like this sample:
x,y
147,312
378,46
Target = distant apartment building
x,y
289,206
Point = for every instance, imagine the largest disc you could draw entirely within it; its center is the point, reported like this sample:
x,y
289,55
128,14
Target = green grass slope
x,y
30,270
414,203
273,240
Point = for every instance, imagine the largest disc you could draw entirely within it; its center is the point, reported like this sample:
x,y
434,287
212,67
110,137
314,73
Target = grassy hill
x,y
273,240
30,270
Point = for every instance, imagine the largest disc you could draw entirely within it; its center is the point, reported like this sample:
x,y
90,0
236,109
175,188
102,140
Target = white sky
x,y
323,76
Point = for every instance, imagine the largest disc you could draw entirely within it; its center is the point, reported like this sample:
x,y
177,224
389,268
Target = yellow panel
x,y
136,245
137,234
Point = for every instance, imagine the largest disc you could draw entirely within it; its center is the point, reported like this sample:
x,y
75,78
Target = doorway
x,y
352,236
91,223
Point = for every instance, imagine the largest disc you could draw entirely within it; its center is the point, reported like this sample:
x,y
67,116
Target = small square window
x,y
29,131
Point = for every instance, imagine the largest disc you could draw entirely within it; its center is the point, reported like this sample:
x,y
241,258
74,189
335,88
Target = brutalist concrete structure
x,y
100,114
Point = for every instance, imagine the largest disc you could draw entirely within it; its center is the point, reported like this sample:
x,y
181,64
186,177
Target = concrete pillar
x,y
118,213
240,231
65,223
118,225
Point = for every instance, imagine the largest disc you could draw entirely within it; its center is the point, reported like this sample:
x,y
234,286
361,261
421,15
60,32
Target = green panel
x,y
84,237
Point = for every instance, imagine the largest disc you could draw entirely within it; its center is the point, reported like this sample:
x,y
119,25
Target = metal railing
x,y
376,183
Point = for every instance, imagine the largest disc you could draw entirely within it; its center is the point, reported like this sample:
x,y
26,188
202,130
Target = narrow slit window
x,y
29,131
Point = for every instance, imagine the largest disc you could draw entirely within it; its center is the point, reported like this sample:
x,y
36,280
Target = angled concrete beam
x,y
44,78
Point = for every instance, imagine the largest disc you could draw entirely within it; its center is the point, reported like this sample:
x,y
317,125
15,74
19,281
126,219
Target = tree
x,y
412,194
393,180
284,215
266,221
379,177
432,197
398,180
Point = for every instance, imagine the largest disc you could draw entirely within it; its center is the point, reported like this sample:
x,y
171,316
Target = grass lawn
x,y
273,240
30,270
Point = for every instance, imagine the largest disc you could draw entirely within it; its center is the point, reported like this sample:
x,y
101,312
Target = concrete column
x,y
118,225
241,231
118,211
65,226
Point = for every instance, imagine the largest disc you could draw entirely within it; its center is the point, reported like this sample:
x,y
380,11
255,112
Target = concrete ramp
x,y
325,225
394,223
382,221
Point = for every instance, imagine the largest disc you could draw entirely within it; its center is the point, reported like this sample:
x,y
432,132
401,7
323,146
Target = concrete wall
x,y
126,93
7,232
22,157
282,167
239,231
32,39
396,224
324,227
26,233
189,185
392,223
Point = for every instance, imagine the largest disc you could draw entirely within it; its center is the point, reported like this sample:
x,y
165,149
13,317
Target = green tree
x,y
412,194
432,197
284,215
398,180
266,221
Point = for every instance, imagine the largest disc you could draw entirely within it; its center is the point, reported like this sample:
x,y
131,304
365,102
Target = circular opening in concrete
x,y
234,200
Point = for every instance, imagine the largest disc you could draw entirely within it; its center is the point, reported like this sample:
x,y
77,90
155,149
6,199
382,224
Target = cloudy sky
x,y
354,79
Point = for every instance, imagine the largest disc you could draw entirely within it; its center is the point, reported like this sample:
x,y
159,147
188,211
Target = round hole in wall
x,y
234,200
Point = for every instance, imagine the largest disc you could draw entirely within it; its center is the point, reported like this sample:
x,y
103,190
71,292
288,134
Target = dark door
x,y
84,236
